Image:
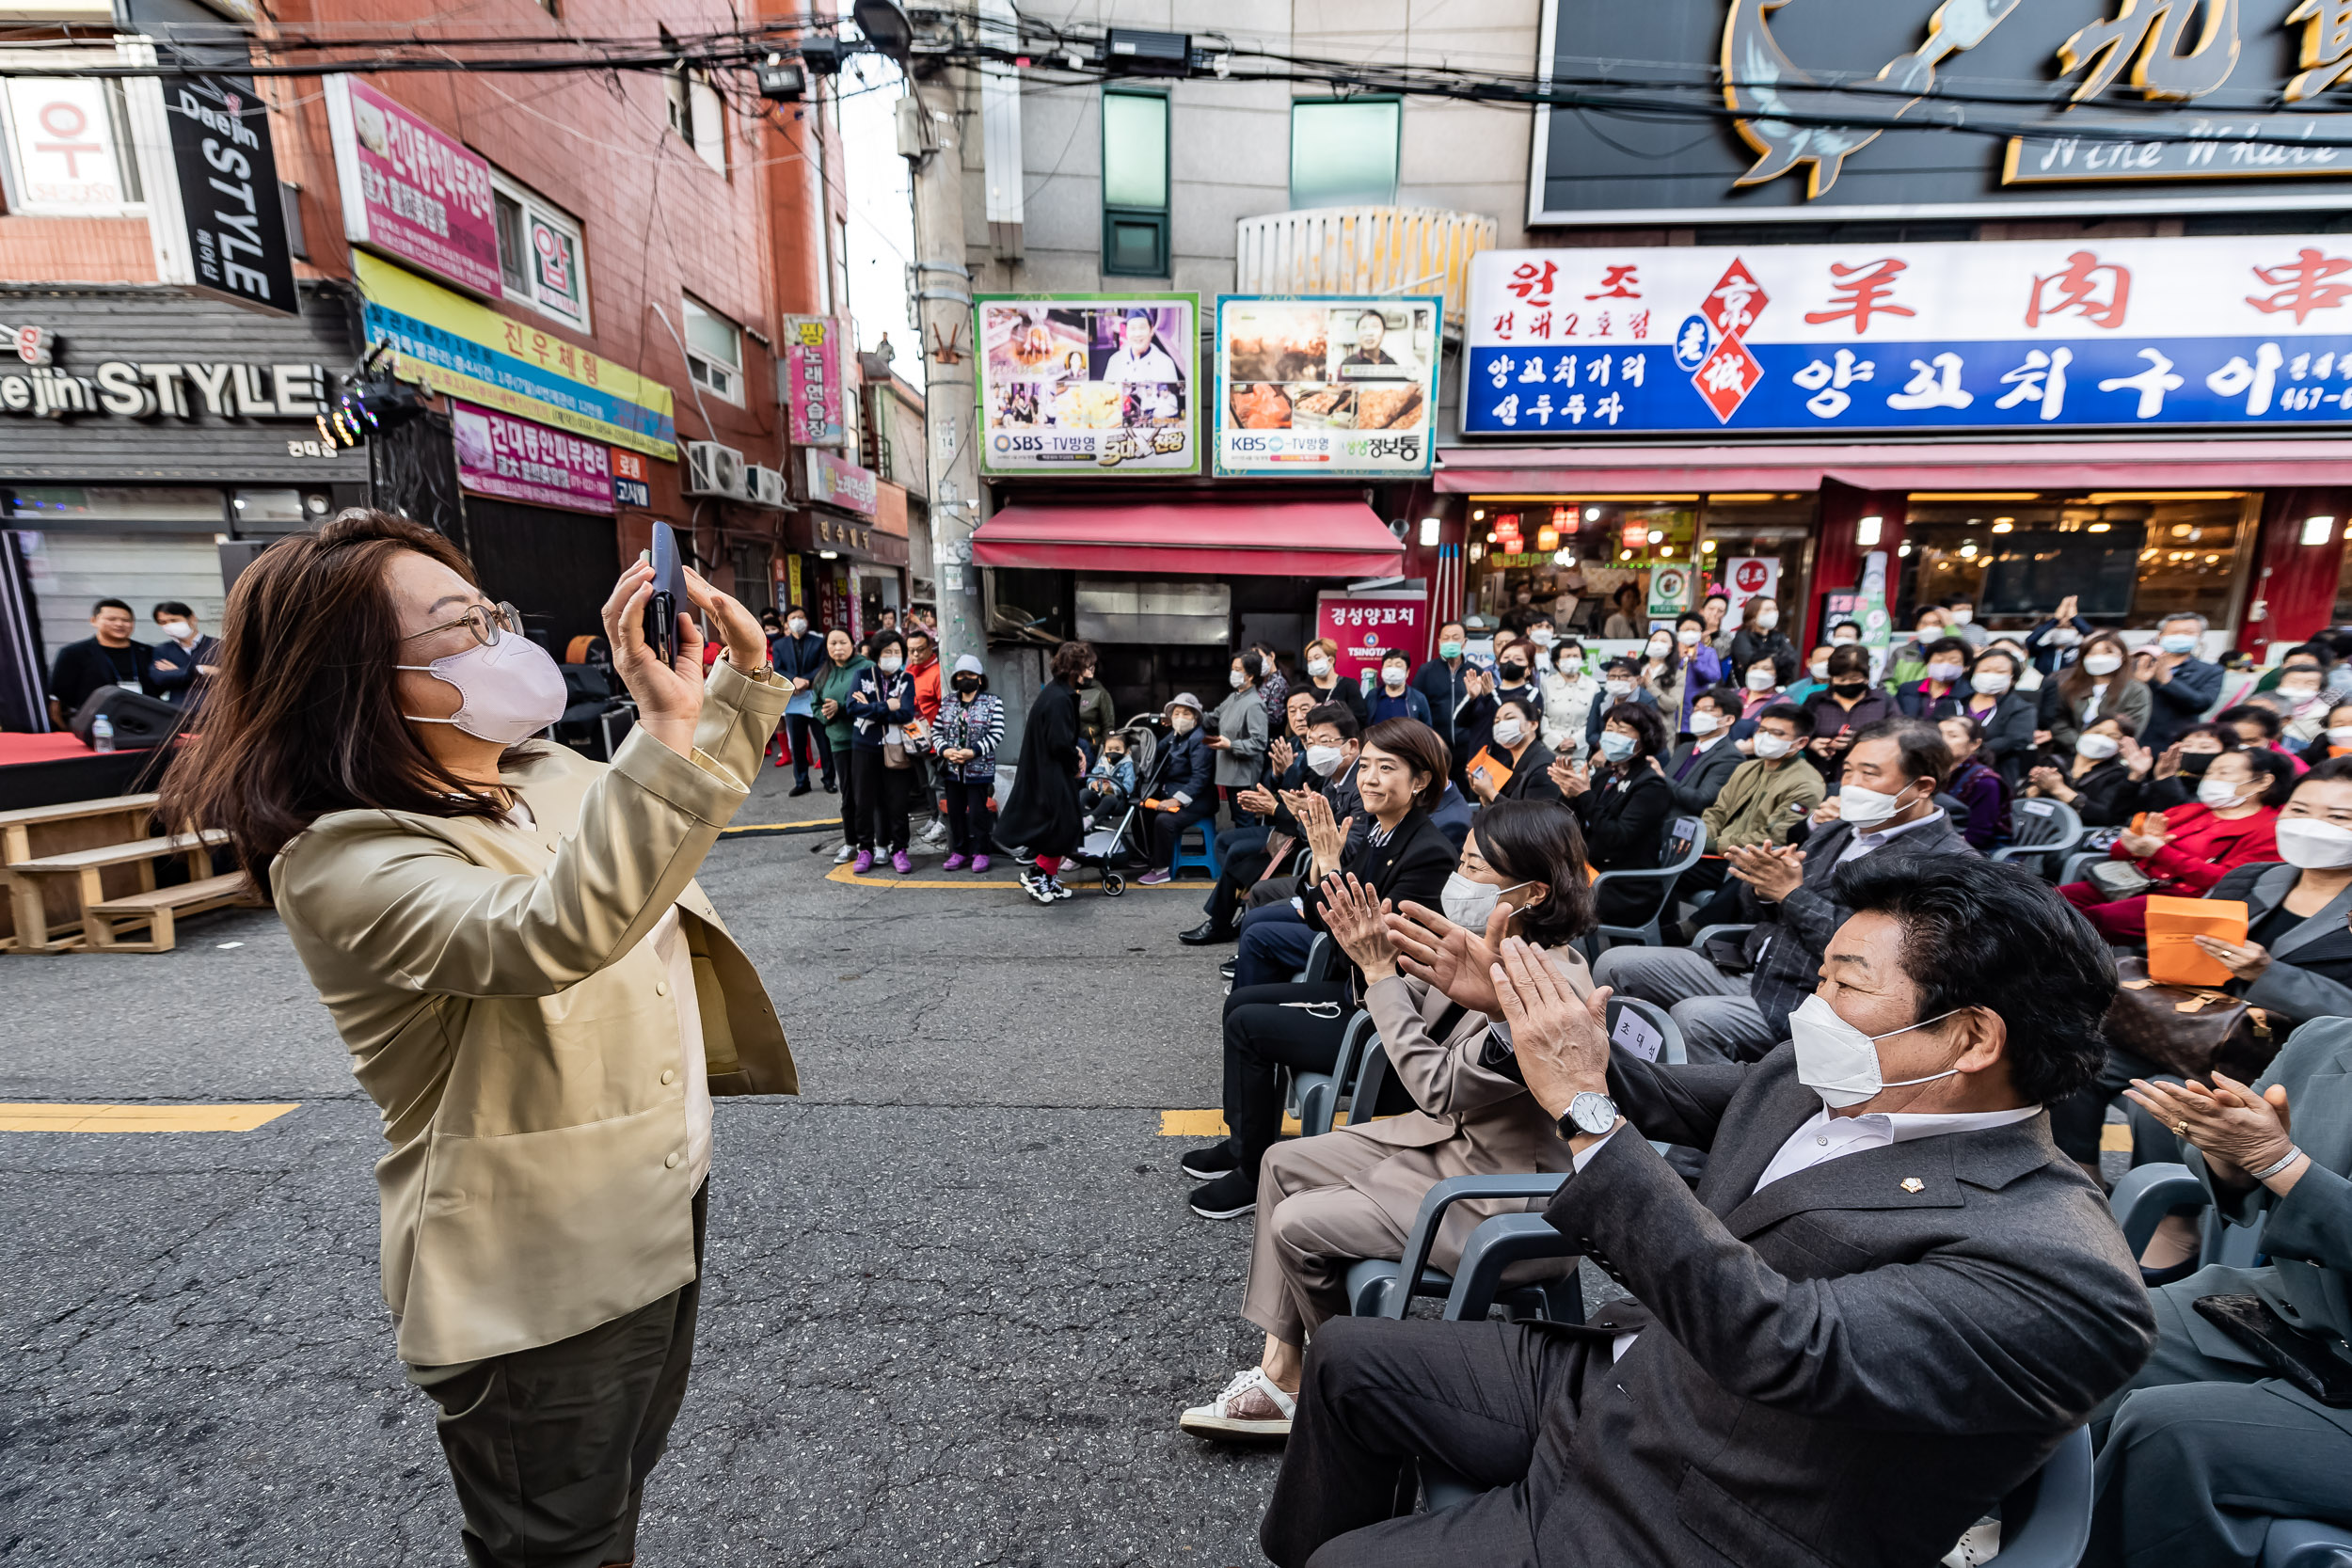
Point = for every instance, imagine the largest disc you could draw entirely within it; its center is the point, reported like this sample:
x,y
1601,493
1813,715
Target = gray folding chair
x,y
1684,844
2040,831
1323,959
1316,1095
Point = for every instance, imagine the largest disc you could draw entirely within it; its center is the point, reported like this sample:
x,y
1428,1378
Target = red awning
x,y
1276,539
1937,465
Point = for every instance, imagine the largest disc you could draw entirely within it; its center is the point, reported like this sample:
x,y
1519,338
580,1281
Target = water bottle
x,y
101,733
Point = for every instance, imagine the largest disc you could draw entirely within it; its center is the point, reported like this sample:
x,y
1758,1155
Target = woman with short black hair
x,y
1623,804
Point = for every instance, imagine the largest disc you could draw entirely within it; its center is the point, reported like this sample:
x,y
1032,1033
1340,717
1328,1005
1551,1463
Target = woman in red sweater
x,y
2189,848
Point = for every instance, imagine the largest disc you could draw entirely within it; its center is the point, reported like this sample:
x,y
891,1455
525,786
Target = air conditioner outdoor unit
x,y
766,486
712,469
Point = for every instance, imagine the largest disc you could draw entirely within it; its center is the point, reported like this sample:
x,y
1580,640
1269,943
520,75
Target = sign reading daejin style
x,y
1911,108
228,193
1586,344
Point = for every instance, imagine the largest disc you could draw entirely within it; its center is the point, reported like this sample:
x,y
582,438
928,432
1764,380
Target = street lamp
x,y
885,25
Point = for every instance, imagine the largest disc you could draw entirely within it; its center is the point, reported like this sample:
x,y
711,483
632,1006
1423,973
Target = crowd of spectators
x,y
1874,1279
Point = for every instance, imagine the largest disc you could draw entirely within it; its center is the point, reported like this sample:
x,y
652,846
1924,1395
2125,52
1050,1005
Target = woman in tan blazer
x,y
532,989
1325,1202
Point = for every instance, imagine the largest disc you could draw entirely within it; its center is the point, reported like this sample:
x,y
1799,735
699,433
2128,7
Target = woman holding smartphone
x,y
531,988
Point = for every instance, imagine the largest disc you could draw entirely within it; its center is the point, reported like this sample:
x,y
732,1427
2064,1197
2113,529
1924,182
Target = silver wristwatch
x,y
1589,1113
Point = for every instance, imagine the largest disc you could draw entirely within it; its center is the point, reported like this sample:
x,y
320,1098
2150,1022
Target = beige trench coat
x,y
1473,1121
506,1013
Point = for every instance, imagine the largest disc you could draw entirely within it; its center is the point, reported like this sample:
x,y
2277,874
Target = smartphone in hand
x,y
669,593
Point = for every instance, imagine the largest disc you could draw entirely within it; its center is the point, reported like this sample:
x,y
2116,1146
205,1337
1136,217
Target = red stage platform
x,y
50,769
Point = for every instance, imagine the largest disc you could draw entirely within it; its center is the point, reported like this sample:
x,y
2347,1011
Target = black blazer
x,y
2007,748
1697,791
1624,816
1530,776
1774,1411
2106,795
2310,966
1413,864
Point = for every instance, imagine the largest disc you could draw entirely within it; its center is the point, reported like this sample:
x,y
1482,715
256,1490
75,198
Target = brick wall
x,y
76,250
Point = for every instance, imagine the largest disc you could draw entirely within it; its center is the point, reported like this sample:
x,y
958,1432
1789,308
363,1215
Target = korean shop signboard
x,y
2237,332
1984,109
1327,385
1368,623
1090,384
412,190
815,352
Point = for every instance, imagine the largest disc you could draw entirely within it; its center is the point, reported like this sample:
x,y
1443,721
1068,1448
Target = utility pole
x,y
930,139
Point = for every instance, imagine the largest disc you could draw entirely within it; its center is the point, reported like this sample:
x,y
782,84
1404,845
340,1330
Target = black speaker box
x,y
141,721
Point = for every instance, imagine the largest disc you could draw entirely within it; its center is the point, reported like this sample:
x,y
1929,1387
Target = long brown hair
x,y
303,716
2075,683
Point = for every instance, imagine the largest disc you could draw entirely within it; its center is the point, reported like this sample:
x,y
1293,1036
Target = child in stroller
x,y
1110,784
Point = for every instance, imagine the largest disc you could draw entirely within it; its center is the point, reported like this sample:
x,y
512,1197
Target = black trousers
x,y
971,812
853,815
1381,1396
1267,1028
1241,852
881,801
1168,827
2076,1121
800,730
549,1448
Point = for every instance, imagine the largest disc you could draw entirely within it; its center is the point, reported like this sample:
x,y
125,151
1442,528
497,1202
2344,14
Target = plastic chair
x,y
2046,1522
1323,959
2307,1543
1318,1093
1206,858
1683,846
2148,1192
2040,828
2077,864
1373,1283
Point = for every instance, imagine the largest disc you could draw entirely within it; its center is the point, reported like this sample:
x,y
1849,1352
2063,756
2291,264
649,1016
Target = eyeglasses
x,y
485,625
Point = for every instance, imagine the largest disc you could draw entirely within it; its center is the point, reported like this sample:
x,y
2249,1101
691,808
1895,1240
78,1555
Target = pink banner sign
x,y
1367,624
499,454
815,354
837,483
410,191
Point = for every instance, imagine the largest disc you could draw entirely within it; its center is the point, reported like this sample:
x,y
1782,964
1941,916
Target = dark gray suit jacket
x,y
1837,1370
2306,977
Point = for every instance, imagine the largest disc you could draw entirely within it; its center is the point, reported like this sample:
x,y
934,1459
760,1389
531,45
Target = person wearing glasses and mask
x,y
1886,805
1697,770
532,986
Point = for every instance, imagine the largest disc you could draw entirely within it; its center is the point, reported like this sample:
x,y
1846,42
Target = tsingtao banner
x,y
1089,383
2246,330
1327,385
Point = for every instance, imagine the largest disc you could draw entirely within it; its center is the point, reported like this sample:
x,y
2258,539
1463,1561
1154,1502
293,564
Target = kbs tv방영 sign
x,y
2239,331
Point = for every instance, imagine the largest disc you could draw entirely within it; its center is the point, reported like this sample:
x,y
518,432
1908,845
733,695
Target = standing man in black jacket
x,y
799,656
2181,685
1441,681
106,657
1890,1300
1886,805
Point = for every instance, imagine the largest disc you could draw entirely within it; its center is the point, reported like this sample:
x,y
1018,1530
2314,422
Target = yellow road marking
x,y
2115,1137
843,873
778,826
1209,1124
32,1118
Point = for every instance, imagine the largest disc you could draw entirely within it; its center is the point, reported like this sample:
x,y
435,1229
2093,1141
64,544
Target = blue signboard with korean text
x,y
2237,331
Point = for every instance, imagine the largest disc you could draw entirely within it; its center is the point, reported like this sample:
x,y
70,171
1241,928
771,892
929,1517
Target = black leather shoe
x,y
1225,969
1208,931
800,788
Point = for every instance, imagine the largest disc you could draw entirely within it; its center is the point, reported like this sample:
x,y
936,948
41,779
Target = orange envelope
x,y
2176,959
1496,771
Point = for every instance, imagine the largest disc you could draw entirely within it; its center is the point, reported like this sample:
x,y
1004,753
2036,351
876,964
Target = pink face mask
x,y
508,690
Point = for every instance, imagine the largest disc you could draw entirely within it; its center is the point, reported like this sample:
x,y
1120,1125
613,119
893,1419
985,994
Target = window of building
x,y
1344,152
2129,558
697,115
714,351
69,151
542,256
1134,183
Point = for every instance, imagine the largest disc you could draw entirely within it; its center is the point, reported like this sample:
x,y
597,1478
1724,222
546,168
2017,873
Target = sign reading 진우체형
x,y
2233,332
1327,385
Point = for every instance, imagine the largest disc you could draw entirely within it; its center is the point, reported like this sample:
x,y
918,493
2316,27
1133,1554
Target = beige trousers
x,y
1312,1225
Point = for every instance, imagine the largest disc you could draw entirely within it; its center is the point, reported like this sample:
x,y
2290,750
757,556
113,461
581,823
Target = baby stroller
x,y
1110,851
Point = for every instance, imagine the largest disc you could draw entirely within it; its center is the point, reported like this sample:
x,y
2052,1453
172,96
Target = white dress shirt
x,y
1864,843
1824,1137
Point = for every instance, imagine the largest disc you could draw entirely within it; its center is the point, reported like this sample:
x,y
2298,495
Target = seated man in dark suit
x,y
1886,805
1888,1301
1326,733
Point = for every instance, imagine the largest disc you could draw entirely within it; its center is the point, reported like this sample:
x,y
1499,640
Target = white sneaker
x,y
1055,885
1252,1406
1037,887
848,853
935,834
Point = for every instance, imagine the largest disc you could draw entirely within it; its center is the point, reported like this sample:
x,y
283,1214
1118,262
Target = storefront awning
x,y
1303,538
2211,465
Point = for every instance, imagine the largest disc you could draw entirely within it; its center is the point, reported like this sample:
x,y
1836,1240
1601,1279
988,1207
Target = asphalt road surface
x,y
954,1299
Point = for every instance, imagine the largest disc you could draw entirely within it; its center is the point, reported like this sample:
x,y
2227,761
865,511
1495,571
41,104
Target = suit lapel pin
x,y
1913,1185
